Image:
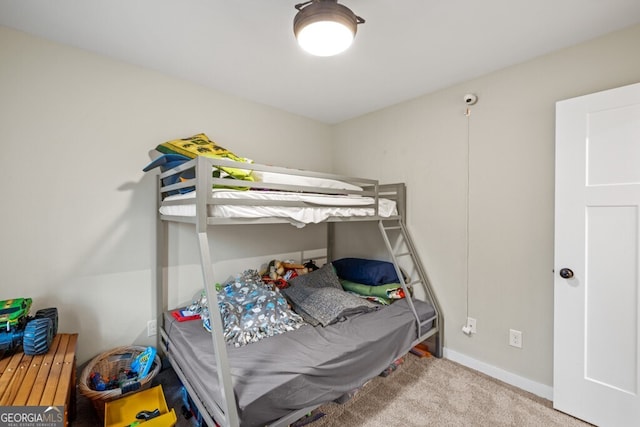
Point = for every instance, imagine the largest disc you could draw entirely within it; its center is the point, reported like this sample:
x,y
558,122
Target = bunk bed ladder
x,y
402,248
230,409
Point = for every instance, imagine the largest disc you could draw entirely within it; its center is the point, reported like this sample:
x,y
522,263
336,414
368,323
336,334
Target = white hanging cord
x,y
466,329
469,99
468,114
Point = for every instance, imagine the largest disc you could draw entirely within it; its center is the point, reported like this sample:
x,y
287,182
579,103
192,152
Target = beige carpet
x,y
439,392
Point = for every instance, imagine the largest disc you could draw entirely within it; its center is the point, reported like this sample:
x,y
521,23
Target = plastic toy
x,y
99,384
189,410
142,363
280,272
183,315
144,416
126,380
129,379
17,328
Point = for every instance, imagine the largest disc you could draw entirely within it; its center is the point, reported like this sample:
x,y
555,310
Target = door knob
x,y
566,273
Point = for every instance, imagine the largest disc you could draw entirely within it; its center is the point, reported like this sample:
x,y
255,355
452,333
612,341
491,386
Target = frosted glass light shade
x,y
324,27
325,38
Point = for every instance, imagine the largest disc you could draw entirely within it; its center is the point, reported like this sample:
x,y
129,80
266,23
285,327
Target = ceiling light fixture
x,y
324,27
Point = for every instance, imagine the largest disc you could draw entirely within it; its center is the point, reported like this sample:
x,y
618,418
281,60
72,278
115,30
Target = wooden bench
x,y
43,380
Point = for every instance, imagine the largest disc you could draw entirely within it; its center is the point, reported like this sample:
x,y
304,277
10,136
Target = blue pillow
x,y
170,161
366,271
166,162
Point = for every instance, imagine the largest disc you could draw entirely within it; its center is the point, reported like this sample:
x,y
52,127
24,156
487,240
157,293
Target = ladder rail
x,y
396,266
418,268
422,273
427,286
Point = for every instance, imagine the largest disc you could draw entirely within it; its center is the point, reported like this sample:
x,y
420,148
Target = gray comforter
x,y
297,369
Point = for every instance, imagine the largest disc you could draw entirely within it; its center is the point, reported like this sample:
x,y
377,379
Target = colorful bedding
x,y
201,145
250,310
384,294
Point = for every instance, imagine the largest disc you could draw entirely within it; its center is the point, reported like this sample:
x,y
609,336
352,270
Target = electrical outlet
x,y
152,328
471,323
515,338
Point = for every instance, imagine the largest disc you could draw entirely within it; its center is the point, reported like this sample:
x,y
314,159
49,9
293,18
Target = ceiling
x,y
246,47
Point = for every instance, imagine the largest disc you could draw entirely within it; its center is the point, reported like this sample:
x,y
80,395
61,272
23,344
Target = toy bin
x,y
122,412
109,364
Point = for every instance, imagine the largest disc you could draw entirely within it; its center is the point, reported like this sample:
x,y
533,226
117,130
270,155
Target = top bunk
x,y
250,193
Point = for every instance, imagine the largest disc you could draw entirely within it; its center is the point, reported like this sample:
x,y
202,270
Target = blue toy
x,y
142,363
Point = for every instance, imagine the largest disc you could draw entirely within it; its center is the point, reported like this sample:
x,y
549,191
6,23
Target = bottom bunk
x,y
279,379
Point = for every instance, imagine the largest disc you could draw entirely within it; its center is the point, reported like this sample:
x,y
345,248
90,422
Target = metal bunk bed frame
x,y
393,231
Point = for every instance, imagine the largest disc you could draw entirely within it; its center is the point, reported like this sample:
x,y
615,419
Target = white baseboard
x,y
536,388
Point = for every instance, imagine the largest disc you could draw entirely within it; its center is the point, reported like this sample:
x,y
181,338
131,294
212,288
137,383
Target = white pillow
x,y
281,178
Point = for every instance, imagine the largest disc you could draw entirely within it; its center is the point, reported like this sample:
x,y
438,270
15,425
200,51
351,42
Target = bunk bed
x,y
277,380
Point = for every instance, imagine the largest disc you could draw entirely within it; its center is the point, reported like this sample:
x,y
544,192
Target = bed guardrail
x,y
185,178
202,172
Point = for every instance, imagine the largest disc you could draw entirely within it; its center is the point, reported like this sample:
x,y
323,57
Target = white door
x,y
597,249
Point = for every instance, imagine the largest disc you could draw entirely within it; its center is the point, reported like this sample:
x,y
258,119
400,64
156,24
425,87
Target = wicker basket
x,y
109,364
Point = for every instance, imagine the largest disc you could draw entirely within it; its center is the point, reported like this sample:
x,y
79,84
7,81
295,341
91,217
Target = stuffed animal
x,y
279,272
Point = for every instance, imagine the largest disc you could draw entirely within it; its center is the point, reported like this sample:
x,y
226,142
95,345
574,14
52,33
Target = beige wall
x,y
78,214
423,142
80,234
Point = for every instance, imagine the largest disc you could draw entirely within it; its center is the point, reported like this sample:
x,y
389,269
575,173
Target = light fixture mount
x,y
325,27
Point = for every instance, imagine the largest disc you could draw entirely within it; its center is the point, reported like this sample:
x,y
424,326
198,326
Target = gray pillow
x,y
324,277
320,299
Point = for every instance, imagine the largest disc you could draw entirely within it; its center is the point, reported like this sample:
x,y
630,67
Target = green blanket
x,y
384,292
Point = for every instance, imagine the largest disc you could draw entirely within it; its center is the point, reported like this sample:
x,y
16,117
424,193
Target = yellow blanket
x,y
201,145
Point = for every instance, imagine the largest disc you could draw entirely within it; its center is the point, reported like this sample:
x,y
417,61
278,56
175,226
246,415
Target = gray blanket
x,y
325,306
297,369
319,298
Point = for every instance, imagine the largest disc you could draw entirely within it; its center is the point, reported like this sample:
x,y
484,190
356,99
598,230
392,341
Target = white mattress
x,y
322,206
